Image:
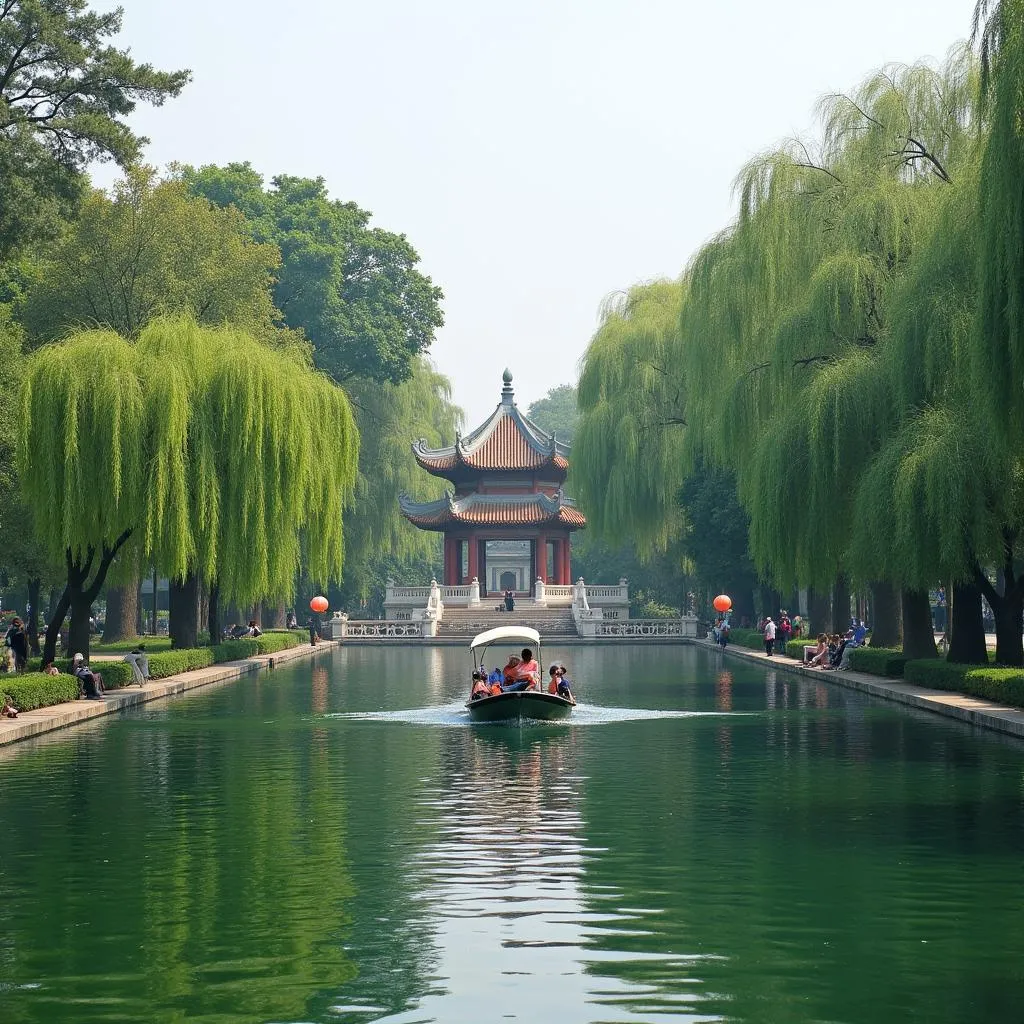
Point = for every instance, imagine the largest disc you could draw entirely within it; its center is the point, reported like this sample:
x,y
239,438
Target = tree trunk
x,y
79,598
273,616
918,636
840,605
213,614
79,634
35,586
183,616
122,612
1007,607
885,623
818,611
1008,614
966,627
140,626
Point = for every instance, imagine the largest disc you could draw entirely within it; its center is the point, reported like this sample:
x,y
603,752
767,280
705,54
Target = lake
x,y
707,840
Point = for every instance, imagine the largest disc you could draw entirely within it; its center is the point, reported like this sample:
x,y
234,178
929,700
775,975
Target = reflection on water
x,y
309,846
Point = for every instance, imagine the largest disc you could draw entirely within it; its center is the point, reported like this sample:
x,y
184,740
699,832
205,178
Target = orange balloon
x,y
722,603
319,604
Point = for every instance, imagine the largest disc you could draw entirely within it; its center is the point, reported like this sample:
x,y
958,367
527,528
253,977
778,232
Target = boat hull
x,y
520,706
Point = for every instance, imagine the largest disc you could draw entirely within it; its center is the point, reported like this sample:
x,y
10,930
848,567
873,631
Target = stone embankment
x,y
973,710
60,716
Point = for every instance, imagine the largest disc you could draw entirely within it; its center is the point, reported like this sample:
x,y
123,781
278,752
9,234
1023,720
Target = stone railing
x,y
414,594
380,630
618,593
455,595
640,628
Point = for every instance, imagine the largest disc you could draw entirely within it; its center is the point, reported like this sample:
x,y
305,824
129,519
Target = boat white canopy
x,y
505,633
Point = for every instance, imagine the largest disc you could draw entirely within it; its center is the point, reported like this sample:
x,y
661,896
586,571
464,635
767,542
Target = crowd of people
x,y
521,672
833,652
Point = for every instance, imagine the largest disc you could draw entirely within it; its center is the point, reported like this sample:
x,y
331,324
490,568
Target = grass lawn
x,y
152,644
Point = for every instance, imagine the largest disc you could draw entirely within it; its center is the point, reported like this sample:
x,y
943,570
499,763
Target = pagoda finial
x,y
507,392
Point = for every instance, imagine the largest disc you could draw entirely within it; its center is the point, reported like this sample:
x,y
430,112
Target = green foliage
x,y
65,94
750,638
250,647
557,412
172,663
38,690
1004,685
795,648
352,289
203,443
152,249
878,661
115,673
629,460
152,644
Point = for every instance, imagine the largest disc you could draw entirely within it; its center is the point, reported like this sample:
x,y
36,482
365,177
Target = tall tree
x,y
65,93
354,290
197,449
151,249
557,412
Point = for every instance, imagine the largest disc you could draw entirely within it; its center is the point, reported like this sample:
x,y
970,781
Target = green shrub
x,y
235,650
747,638
1005,685
39,690
277,640
115,673
171,663
878,661
795,648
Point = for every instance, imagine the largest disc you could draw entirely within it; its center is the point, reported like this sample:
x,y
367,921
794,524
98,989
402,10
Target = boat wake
x,y
455,714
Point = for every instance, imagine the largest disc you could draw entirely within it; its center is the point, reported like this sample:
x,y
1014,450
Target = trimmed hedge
x,y
115,673
795,648
747,638
38,690
171,663
879,661
1005,685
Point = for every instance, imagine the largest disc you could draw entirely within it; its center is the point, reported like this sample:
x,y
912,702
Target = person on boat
x,y
496,676
508,673
479,687
526,673
553,679
565,684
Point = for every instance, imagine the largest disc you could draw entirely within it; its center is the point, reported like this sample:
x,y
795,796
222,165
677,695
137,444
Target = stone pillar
x,y
538,592
474,593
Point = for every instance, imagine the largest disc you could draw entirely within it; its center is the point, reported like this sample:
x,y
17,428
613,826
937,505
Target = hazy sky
x,y
539,155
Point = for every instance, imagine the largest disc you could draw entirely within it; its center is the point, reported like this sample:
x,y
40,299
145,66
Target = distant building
x,y
508,520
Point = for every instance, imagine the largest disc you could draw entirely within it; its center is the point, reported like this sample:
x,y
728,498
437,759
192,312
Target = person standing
x,y
17,639
769,636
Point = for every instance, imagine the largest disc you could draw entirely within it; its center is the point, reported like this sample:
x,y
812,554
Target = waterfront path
x,y
974,710
60,716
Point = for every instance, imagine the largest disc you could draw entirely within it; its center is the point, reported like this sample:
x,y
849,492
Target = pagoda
x,y
507,520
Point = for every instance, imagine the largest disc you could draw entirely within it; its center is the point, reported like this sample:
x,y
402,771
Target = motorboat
x,y
514,705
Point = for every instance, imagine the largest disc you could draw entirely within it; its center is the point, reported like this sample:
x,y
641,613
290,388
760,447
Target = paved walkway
x,y
975,710
59,716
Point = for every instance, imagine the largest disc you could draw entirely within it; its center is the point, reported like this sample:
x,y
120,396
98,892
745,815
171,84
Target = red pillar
x,y
473,568
450,566
566,562
542,558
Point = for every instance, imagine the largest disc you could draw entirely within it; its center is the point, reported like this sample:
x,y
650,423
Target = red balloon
x,y
318,604
722,603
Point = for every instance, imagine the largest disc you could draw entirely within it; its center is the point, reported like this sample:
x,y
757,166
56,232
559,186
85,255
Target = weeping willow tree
x,y
262,463
629,455
788,311
389,417
84,447
200,450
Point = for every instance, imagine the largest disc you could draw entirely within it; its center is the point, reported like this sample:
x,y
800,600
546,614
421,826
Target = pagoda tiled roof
x,y
508,441
493,510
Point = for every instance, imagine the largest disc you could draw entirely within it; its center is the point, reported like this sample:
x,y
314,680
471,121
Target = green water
x,y
333,842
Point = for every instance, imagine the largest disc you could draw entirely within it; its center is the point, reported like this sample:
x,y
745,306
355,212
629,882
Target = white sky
x,y
539,155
